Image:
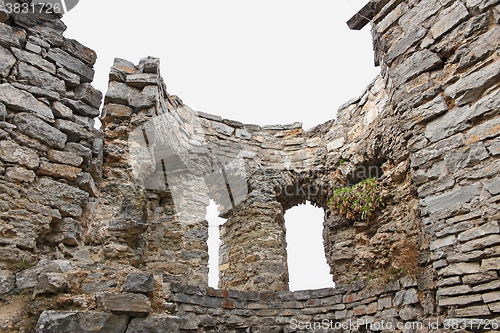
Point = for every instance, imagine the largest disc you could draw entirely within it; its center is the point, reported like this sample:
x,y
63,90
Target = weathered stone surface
x,y
222,128
485,229
451,198
62,111
495,285
7,281
81,108
134,305
41,79
447,241
418,14
86,182
7,60
28,278
67,231
448,124
460,300
10,36
146,99
115,111
486,130
59,195
79,150
59,171
72,64
89,95
34,60
50,283
424,155
490,264
63,157
141,80
473,311
14,153
475,279
119,93
418,63
36,128
493,186
19,100
71,79
81,322
74,131
460,269
80,51
471,86
491,297
18,175
120,69
481,243
453,291
139,283
154,324
402,45
448,19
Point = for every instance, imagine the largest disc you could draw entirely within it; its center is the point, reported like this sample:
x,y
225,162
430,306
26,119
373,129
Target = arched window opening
x,y
214,221
307,266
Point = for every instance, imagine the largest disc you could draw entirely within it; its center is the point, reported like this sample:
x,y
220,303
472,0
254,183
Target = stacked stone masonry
x,y
104,230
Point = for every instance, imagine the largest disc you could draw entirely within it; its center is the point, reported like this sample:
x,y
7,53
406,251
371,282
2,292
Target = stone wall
x,y
106,229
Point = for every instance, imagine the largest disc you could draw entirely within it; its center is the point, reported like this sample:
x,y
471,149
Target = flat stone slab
x,y
81,322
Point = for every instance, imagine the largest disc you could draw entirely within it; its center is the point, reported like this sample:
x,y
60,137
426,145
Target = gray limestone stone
x,y
38,129
430,110
441,242
68,231
486,130
454,280
483,277
460,300
7,281
73,47
120,69
81,322
10,36
494,285
493,186
453,291
418,14
433,187
481,243
62,111
38,92
392,17
471,86
11,152
451,122
486,104
79,150
473,311
86,182
59,195
28,278
460,269
142,80
455,229
157,324
3,112
18,175
491,264
448,19
34,60
5,13
81,108
89,95
72,64
222,128
20,100
7,60
139,283
408,40
494,147
418,63
41,79
50,283
480,4
33,48
120,93
74,131
134,305
451,198
485,229
71,79
146,99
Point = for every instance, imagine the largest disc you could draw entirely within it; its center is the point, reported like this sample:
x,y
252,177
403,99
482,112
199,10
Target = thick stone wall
x,y
113,222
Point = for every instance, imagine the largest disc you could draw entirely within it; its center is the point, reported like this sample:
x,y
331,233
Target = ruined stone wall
x,y
129,252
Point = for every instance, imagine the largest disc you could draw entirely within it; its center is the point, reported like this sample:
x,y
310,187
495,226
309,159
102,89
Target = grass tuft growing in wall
x,y
359,201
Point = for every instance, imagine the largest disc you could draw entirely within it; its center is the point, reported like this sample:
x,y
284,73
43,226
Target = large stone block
x,y
7,281
66,198
451,198
73,47
471,86
10,36
7,60
35,77
81,108
154,324
418,63
460,269
19,100
11,152
72,64
120,93
89,95
74,131
485,229
139,283
134,305
36,128
449,18
50,283
28,278
81,322
34,60
403,44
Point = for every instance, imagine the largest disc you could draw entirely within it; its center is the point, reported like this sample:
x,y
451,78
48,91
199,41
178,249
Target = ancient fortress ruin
x,y
104,230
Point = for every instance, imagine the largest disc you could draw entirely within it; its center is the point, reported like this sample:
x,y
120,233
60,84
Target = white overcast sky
x,y
259,62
